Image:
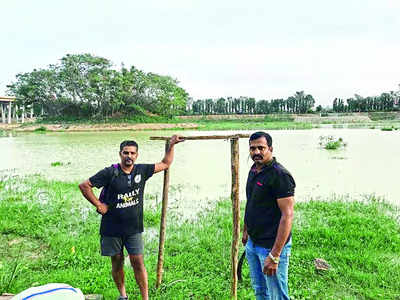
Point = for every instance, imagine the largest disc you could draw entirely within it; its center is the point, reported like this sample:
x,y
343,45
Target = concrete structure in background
x,y
4,103
8,111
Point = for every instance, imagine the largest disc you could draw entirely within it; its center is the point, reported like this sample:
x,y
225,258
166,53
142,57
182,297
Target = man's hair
x,y
259,134
128,143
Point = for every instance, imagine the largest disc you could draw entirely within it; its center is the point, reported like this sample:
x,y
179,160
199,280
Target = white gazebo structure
x,y
9,111
4,102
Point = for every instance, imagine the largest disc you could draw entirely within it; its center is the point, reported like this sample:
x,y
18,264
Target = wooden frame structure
x,y
234,139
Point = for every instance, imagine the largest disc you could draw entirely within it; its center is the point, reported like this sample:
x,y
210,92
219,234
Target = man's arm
x,y
169,155
285,225
87,191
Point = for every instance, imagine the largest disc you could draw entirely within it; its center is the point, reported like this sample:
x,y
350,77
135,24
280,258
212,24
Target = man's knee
x,y
137,262
117,262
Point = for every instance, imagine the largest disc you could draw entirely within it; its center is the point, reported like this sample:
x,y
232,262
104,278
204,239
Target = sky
x,y
263,49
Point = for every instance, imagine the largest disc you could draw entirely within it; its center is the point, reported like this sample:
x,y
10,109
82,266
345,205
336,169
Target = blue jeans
x,y
268,287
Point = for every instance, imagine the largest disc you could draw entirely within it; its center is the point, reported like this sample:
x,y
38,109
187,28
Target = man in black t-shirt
x,y
268,220
121,207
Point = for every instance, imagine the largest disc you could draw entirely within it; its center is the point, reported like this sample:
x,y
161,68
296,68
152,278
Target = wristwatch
x,y
274,259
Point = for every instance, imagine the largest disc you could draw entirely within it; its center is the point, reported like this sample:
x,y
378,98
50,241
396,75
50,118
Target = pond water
x,y
201,171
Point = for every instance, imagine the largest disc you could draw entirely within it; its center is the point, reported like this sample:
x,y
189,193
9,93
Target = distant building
x,y
5,108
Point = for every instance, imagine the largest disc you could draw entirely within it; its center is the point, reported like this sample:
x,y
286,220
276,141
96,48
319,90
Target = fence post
x,y
163,225
235,213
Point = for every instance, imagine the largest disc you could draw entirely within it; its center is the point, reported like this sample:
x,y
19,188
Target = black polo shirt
x,y
262,215
125,199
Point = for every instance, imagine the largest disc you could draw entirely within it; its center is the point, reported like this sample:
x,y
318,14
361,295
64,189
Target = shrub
x,y
329,142
41,129
59,163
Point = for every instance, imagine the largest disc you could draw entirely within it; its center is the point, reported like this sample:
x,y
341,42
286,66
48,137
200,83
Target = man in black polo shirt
x,y
268,220
122,210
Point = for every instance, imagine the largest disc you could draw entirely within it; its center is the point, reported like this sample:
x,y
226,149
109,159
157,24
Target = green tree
x,y
220,106
87,85
164,96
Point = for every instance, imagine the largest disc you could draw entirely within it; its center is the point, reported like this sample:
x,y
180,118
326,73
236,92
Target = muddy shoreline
x,y
96,127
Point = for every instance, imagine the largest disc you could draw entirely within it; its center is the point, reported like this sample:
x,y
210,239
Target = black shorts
x,y
111,246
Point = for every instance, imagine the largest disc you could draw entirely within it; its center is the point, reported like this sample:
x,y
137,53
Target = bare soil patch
x,y
99,127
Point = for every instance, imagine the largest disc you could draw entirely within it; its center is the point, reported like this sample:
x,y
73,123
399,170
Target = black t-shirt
x,y
262,215
124,196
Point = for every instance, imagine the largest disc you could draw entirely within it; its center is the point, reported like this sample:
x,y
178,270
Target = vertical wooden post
x,y
235,213
23,114
9,112
163,224
31,110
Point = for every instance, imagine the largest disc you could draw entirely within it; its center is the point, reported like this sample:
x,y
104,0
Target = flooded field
x,y
201,172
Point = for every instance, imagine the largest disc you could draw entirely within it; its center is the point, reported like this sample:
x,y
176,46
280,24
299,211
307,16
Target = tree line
x,y
85,86
384,102
298,103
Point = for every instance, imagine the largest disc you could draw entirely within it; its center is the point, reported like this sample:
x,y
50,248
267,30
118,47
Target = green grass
x,y
59,163
112,120
331,143
269,122
49,233
378,116
249,124
41,129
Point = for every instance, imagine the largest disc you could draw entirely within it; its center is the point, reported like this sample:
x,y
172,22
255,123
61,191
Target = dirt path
x,y
98,127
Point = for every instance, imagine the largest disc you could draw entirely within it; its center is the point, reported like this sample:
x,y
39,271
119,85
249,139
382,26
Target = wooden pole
x,y
23,114
235,204
235,213
163,224
31,110
204,137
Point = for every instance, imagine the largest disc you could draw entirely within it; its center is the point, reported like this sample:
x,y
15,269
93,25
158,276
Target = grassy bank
x,y
277,121
250,124
213,122
49,233
135,119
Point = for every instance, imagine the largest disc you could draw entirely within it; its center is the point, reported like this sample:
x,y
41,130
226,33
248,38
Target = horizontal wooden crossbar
x,y
204,137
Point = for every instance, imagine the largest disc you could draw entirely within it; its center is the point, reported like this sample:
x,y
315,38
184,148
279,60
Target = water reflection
x,y
201,171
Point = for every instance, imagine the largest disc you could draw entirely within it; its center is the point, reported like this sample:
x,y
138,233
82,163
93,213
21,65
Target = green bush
x,y
331,143
41,129
59,163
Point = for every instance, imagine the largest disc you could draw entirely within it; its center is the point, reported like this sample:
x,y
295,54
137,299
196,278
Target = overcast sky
x,y
263,49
